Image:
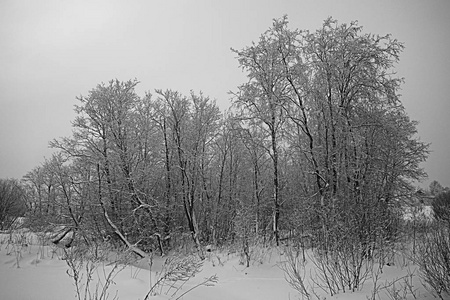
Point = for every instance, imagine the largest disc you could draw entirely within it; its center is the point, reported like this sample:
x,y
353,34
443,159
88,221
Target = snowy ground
x,y
31,269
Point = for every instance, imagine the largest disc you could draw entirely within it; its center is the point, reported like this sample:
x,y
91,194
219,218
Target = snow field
x,y
31,268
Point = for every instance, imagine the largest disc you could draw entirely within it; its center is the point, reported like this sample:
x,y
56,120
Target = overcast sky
x,y
53,51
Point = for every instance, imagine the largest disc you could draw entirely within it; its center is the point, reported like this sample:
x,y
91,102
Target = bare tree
x,y
262,100
193,123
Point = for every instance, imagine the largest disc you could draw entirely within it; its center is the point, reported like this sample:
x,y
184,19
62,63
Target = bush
x,y
433,258
441,207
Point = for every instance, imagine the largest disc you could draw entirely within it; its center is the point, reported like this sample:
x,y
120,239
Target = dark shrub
x,y
441,207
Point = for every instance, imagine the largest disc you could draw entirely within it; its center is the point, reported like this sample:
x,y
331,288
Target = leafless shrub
x,y
175,273
208,281
376,285
295,272
342,268
433,258
85,264
401,288
16,242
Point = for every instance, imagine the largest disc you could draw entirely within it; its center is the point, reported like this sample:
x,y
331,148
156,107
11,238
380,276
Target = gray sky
x,y
53,51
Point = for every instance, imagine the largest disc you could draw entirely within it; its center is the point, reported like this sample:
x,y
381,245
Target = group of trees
x,y
328,107
316,143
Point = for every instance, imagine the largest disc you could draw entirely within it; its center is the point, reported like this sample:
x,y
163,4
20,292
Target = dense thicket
x,y
317,144
441,207
12,202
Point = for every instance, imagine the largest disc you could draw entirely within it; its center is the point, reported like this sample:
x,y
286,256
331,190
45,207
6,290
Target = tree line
x,y
316,144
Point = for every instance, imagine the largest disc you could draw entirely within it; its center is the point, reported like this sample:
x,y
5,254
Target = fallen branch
x,y
132,247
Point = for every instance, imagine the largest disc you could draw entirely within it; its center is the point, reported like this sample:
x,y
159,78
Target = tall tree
x,y
193,122
262,99
110,135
